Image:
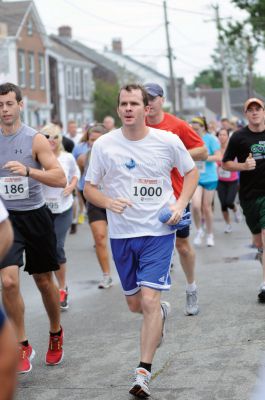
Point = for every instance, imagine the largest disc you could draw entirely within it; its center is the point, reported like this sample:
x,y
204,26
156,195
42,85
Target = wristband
x,y
27,171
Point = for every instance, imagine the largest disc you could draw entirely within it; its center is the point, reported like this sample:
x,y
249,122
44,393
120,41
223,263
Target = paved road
x,y
213,356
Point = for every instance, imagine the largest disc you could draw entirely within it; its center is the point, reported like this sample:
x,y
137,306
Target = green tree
x,y
105,100
212,79
256,14
208,78
259,84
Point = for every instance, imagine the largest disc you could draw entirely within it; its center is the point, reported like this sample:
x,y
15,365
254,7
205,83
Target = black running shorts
x,y
34,234
95,213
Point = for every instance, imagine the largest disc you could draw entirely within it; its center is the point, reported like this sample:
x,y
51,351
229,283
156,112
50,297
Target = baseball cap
x,y
251,101
154,90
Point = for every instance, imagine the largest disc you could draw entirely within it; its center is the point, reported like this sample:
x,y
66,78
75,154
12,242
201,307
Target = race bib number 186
x,y
14,188
147,190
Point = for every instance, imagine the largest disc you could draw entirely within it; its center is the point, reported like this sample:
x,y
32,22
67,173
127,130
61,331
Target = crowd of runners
x,y
120,180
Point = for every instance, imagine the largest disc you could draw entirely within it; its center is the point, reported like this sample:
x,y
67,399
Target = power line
x,y
144,37
83,11
174,8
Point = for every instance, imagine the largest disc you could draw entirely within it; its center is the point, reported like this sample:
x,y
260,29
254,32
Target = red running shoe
x,y
54,354
64,304
26,355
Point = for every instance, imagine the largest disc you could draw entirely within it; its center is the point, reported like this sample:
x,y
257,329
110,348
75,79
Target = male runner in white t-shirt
x,y
134,165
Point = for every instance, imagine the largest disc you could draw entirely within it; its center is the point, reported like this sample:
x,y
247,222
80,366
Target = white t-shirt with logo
x,y
3,212
54,197
139,171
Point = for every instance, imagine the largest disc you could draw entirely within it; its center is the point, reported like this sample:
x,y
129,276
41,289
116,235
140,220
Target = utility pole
x,y
226,95
250,61
169,55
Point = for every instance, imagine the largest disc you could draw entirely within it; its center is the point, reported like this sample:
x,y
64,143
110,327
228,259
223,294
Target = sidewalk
x,y
213,356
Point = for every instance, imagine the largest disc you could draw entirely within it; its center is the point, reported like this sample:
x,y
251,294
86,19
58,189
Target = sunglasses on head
x,y
51,137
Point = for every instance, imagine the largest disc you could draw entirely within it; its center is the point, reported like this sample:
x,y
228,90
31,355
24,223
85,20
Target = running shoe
x,y
64,304
192,306
81,219
228,228
197,241
54,354
166,309
73,229
26,355
140,385
210,240
105,283
259,255
261,294
238,216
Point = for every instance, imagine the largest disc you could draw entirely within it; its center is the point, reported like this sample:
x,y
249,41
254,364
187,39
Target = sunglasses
x,y
51,137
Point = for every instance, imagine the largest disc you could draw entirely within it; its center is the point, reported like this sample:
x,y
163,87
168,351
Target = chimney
x,y
117,46
65,31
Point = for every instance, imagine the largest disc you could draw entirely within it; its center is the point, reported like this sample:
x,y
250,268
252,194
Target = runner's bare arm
x,y
189,185
217,156
199,153
248,165
96,197
6,235
53,175
8,361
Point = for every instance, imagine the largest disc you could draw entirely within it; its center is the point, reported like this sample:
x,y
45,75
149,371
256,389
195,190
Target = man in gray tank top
x,y
26,161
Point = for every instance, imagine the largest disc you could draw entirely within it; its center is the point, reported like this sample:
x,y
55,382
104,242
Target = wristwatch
x,y
27,171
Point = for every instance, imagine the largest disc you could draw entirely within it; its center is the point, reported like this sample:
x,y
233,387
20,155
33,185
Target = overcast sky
x,y
140,25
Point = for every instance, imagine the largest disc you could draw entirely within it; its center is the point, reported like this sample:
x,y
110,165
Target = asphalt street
x,y
215,355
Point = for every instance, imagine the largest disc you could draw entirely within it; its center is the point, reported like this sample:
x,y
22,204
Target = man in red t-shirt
x,y
159,119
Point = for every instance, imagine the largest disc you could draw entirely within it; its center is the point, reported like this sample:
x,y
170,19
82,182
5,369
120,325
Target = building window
x,y
86,84
30,27
77,83
31,71
42,71
69,83
21,68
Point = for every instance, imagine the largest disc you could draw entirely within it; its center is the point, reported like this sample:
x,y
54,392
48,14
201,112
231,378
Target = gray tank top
x,y
19,193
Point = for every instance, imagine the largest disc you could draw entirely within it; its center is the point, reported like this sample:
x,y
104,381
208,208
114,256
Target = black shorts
x,y
184,233
34,234
95,213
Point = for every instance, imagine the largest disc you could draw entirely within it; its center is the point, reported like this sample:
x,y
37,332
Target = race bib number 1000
x,y
14,188
147,190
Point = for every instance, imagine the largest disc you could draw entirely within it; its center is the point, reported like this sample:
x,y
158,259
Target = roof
x,y
213,98
12,13
154,71
64,51
88,53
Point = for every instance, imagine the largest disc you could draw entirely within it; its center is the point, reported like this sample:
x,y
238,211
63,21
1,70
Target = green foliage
x,y
256,15
208,78
105,100
212,78
259,84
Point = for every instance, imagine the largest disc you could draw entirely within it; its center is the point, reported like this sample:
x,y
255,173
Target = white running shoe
x,y
192,306
238,216
210,240
105,283
228,228
140,385
261,294
197,241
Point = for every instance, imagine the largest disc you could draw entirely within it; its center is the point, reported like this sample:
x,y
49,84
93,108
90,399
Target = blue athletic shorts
x,y
143,261
209,185
2,318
